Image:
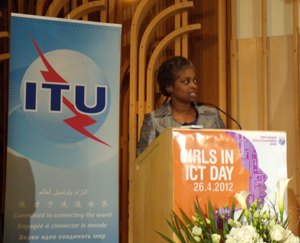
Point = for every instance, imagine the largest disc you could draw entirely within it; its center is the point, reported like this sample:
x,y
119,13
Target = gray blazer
x,y
156,121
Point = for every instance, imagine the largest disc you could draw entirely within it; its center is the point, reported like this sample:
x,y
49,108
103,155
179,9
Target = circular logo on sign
x,y
281,140
65,96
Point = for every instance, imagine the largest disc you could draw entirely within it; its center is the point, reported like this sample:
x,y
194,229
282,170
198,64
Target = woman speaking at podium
x,y
177,79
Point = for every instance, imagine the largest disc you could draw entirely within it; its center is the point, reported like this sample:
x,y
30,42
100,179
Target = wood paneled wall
x,y
281,93
266,88
256,79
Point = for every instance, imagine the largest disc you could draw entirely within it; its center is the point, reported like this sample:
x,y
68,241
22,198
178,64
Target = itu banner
x,y
63,131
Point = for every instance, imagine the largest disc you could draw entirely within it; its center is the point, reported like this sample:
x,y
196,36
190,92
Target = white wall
x,y
279,18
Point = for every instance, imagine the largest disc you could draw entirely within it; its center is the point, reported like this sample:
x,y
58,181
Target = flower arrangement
x,y
248,225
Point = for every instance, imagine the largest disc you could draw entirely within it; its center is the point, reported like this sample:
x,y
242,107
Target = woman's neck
x,y
183,113
181,107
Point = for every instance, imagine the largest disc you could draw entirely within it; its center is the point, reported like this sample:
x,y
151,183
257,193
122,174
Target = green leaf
x,y
185,230
186,219
241,215
232,210
176,228
205,229
287,221
199,212
225,227
212,217
165,237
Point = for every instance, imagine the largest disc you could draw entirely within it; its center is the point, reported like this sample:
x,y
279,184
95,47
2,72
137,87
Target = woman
x,y
177,79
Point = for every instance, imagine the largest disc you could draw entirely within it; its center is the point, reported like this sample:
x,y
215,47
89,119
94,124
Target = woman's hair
x,y
168,72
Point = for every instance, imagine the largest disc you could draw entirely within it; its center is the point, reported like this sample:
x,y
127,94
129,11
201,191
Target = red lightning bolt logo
x,y
79,121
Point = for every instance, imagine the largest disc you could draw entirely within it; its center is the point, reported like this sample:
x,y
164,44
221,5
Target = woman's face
x,y
185,87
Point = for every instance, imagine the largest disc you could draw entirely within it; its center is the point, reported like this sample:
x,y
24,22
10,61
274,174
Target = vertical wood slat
x,y
184,38
103,15
138,17
5,78
123,191
5,124
21,6
30,7
296,87
264,65
73,4
39,7
162,30
233,64
67,9
119,20
177,42
112,6
222,97
86,17
136,22
181,44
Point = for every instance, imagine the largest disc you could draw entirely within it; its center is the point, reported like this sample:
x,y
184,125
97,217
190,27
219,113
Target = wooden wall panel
x,y
275,86
249,84
232,83
296,75
281,108
204,51
264,64
222,54
4,76
281,83
280,104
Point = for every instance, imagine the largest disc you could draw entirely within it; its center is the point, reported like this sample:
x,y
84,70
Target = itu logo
x,y
65,96
281,140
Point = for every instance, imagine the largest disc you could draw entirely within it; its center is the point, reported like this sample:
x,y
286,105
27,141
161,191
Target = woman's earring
x,y
170,91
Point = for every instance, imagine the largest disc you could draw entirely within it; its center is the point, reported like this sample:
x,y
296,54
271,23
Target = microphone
x,y
201,104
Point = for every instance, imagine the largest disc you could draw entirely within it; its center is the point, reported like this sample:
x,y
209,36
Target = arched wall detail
x,y
55,7
154,58
144,44
87,8
142,92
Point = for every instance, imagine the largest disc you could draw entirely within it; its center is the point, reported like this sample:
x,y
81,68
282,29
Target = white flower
x,y
245,234
241,198
291,238
215,238
280,189
278,233
196,230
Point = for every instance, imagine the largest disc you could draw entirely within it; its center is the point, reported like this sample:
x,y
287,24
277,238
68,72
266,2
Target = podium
x,y
184,164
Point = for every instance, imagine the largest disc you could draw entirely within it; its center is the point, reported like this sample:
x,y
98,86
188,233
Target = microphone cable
x,y
201,104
